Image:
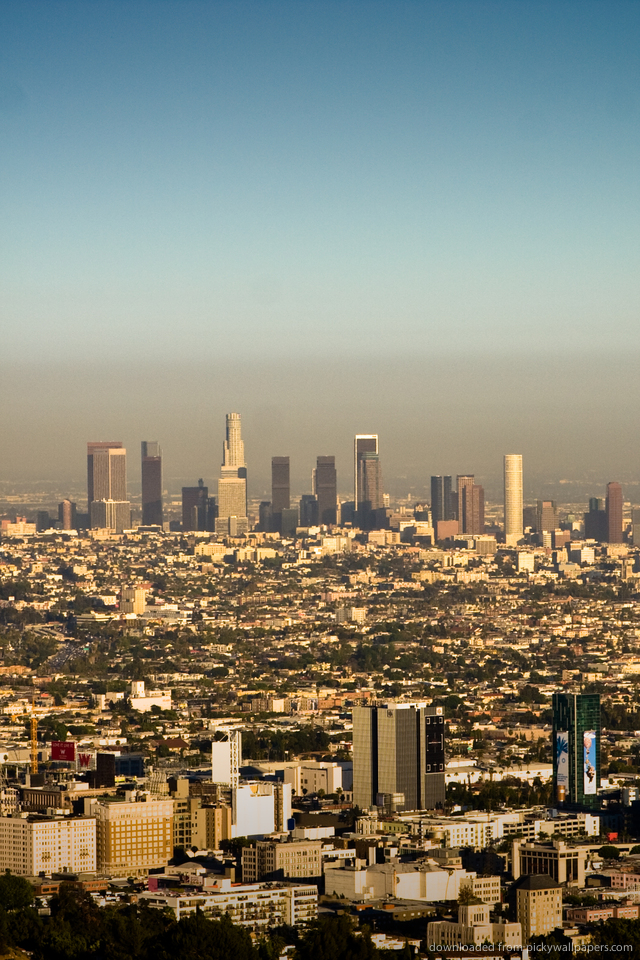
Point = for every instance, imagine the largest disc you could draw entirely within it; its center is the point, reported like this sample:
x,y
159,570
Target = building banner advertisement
x,y
562,760
589,738
86,760
63,750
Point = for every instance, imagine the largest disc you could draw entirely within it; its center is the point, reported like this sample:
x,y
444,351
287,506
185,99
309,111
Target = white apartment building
x,y
31,844
311,776
408,881
133,835
142,700
253,905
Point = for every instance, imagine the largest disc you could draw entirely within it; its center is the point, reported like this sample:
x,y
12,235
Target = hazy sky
x,y
415,218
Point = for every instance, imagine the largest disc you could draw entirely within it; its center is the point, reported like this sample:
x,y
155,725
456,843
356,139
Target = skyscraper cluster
x,y
458,511
453,512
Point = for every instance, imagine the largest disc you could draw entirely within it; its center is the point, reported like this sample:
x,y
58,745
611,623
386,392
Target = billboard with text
x,y
63,750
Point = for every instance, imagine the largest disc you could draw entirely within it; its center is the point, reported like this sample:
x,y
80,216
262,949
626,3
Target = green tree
x,y
15,892
612,933
196,938
609,852
335,939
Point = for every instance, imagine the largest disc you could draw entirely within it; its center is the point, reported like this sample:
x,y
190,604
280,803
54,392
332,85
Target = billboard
x,y
63,750
562,759
589,739
87,760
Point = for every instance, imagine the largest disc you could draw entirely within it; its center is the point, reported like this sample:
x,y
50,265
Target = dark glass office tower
x,y
151,483
363,443
595,521
437,499
280,490
370,491
398,756
576,749
326,490
441,501
308,510
195,502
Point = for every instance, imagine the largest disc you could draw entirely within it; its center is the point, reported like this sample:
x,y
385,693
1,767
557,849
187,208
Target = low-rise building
x,y
556,859
256,906
474,928
273,860
408,881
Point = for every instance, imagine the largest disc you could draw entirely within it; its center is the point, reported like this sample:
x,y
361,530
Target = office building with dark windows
x,y
398,756
326,490
151,471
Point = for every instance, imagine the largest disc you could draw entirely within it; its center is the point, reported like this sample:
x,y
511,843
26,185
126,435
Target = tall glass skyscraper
x,y
363,443
151,483
326,489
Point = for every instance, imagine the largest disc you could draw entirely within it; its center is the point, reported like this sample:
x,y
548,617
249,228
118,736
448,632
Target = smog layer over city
x,y
319,479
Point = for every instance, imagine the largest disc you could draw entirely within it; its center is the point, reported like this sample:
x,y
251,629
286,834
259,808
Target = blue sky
x,y
297,176
200,200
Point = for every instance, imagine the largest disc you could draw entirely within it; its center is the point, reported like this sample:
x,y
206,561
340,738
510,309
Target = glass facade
x,y
576,749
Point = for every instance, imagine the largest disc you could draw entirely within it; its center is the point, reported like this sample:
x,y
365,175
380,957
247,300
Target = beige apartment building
x,y
538,905
31,844
270,859
133,835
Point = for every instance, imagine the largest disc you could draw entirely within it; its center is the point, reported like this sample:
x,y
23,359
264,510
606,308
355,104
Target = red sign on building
x,y
63,750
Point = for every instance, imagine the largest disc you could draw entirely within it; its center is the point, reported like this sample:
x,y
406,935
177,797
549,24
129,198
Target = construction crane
x,y
34,738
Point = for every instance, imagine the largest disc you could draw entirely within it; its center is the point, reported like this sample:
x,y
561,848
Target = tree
x,y
335,939
609,852
15,892
612,933
195,937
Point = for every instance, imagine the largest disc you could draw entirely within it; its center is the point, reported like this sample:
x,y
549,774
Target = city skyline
x,y
324,667
458,231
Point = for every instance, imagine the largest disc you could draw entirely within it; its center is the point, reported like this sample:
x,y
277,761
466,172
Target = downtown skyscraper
x,y
363,443
107,500
151,470
280,490
232,485
614,503
441,505
368,488
326,490
513,522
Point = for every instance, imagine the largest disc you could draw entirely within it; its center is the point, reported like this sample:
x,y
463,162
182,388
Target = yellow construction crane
x,y
34,743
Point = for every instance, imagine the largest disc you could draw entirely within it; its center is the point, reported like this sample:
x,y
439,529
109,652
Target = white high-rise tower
x,y
513,525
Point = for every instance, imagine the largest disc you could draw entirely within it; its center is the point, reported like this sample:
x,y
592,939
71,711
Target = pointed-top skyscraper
x,y
232,485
